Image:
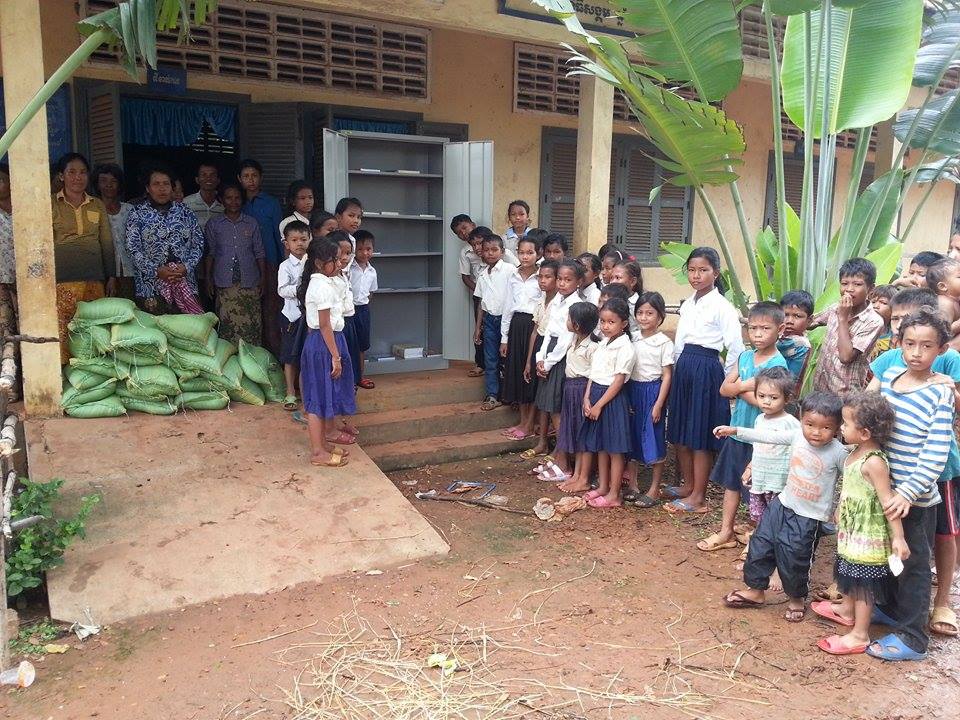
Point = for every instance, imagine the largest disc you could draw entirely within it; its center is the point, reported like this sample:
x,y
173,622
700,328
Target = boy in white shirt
x,y
492,291
363,281
296,238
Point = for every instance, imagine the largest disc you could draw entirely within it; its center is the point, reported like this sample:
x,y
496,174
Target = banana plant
x,y
132,27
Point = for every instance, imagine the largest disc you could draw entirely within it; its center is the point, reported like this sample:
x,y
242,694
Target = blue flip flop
x,y
893,649
879,617
672,491
299,417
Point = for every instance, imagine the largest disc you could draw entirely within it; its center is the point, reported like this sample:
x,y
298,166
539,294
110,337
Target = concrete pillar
x,y
594,139
22,55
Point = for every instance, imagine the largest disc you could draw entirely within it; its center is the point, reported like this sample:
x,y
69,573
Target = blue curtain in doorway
x,y
174,124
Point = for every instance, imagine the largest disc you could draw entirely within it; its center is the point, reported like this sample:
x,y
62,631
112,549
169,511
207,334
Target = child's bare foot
x,y
849,644
717,541
745,598
776,585
573,485
795,610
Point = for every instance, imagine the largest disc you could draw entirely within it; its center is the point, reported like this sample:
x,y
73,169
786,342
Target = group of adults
x,y
149,248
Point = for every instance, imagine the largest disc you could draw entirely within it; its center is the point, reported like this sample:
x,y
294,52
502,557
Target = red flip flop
x,y
834,646
824,608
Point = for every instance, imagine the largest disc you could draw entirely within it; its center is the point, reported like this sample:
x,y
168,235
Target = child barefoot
x,y
864,540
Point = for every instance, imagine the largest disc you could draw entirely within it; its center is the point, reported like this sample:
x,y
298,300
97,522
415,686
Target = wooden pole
x,y
21,48
591,208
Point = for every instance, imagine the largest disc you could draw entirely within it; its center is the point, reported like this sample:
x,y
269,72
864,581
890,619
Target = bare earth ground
x,y
607,614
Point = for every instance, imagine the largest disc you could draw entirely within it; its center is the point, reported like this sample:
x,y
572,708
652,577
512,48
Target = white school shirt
x,y
342,282
288,280
591,294
541,315
559,311
511,239
612,358
471,264
492,287
323,294
579,357
363,281
290,218
652,354
522,297
711,322
634,325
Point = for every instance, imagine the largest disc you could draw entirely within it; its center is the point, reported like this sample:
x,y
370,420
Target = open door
x,y
467,188
334,168
272,133
104,136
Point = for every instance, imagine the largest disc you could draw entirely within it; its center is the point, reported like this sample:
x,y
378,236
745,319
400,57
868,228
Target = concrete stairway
x,y
432,417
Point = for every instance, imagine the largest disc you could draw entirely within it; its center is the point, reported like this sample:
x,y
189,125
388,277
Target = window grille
x,y
277,43
209,143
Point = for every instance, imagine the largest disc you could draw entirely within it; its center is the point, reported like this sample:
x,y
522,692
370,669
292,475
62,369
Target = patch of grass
x,y
124,643
31,638
505,538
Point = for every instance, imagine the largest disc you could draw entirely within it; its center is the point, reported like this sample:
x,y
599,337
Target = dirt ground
x,y
608,614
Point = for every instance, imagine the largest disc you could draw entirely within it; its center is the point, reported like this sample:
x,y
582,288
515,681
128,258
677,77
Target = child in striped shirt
x,y
918,449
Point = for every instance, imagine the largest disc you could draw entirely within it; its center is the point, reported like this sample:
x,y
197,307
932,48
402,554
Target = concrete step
x,y
404,391
393,426
442,449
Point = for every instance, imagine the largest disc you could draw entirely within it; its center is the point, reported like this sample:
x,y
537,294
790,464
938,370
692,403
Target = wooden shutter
x,y
558,179
103,120
271,133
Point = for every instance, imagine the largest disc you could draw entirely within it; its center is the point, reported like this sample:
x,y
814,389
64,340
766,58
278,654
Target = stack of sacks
x,y
125,359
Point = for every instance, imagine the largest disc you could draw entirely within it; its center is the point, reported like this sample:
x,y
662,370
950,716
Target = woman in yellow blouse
x,y
82,244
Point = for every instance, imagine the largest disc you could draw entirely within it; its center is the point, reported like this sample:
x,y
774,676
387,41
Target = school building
x,y
265,79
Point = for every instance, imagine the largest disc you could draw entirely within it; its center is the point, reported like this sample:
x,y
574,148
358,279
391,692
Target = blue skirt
x,y
353,346
611,432
292,336
322,395
571,415
649,444
695,407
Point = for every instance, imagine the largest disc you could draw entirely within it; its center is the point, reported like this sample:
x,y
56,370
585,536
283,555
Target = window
x,y
265,41
633,223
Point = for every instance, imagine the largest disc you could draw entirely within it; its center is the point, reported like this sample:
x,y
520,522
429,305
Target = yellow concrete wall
x,y
472,83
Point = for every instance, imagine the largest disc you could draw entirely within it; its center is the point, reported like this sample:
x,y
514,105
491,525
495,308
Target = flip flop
x,y
824,608
290,403
343,438
510,430
631,496
672,491
944,616
737,601
591,494
834,645
892,649
531,453
554,473
519,434
602,503
336,461
645,501
475,372
299,417
675,507
795,615
743,529
712,544
367,384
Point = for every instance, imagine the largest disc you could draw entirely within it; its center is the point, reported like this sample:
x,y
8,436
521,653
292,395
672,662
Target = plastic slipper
x,y
824,608
682,506
892,649
510,430
712,544
590,495
944,616
554,473
834,645
490,404
645,501
737,601
672,491
879,617
336,461
520,434
531,453
475,372
299,417
602,503
290,403
343,438
828,593
631,496
794,615
367,384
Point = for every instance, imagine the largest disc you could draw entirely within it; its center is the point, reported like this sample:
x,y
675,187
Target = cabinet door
x,y
273,134
467,188
334,169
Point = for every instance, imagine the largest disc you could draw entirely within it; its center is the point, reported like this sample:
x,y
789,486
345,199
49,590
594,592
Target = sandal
x,y
892,649
602,503
944,616
834,645
343,438
531,453
645,501
290,403
738,601
713,543
336,461
828,593
519,434
676,507
824,608
630,496
475,372
491,403
795,615
554,473
366,384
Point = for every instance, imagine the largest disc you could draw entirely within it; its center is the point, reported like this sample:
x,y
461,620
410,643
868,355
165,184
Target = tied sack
x,y
257,363
189,332
105,311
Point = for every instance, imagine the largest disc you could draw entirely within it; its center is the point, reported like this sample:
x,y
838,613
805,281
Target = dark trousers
x,y
786,542
478,349
353,346
491,355
910,592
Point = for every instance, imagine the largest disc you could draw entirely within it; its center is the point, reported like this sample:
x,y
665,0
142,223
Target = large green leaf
x,y
938,128
870,64
674,259
947,169
797,7
872,203
694,42
886,259
940,48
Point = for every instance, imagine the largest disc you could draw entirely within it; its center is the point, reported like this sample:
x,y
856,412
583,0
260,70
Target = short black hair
x,y
344,204
620,308
859,266
937,273
538,234
318,218
781,378
915,297
480,231
550,265
886,292
927,317
67,158
294,226
654,300
229,185
555,238
531,241
251,164
491,238
822,403
872,411
926,258
364,236
767,309
457,219
208,162
798,298
615,290
339,236
518,203
158,168
584,316
111,169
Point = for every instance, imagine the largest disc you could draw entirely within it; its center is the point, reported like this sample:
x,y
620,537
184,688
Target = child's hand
x,y
655,412
586,407
747,478
541,371
526,374
503,350
337,369
724,431
900,548
845,307
476,338
896,506
594,413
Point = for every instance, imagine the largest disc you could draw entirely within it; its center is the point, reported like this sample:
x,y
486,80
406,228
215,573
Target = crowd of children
x,y
860,442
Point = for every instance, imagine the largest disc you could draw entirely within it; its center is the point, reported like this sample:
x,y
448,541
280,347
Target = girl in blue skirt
x,y
326,378
708,325
649,388
606,430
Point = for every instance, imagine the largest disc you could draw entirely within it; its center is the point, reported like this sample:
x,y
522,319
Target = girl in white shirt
x,y
629,274
516,325
518,215
606,429
649,389
300,201
326,378
708,324
590,285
